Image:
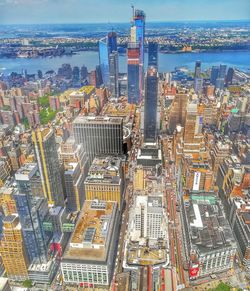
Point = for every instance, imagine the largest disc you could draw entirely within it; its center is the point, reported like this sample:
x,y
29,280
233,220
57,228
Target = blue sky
x,y
86,11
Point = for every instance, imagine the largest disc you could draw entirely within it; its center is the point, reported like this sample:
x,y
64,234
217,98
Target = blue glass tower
x,y
214,74
104,59
153,54
112,42
32,211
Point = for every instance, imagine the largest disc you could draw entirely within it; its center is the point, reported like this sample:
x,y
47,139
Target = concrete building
x,y
209,243
99,135
148,218
105,180
4,284
75,163
12,249
239,218
89,257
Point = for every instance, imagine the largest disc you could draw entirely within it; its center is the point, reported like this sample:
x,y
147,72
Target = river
x,y
167,62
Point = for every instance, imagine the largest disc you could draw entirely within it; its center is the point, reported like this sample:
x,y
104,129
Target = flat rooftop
x,y
97,120
209,229
26,171
92,235
105,169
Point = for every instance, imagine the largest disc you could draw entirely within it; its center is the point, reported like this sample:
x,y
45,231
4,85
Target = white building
x,y
148,218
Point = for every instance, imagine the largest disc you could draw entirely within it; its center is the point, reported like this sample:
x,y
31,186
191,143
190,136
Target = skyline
x,y
74,11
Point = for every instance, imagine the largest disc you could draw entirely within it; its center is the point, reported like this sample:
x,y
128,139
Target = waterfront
x,y
167,62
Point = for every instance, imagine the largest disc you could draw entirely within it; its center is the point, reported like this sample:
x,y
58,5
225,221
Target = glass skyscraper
x,y
112,41
150,105
133,52
104,59
114,74
153,54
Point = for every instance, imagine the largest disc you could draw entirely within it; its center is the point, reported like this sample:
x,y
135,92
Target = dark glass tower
x,y
133,52
150,105
214,74
114,74
153,54
112,42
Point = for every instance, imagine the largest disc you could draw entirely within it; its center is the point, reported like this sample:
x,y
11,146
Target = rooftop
x,y
91,238
26,171
97,120
208,228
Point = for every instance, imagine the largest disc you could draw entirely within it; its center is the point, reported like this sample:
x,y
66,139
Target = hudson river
x,y
167,62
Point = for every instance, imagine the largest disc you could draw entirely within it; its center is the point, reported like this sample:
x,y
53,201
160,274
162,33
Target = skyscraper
x,y
112,42
114,74
133,52
229,77
198,81
48,164
221,77
150,105
153,54
104,59
214,74
13,250
138,36
99,135
32,211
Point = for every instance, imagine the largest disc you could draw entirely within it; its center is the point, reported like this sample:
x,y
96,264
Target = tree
x,y
27,283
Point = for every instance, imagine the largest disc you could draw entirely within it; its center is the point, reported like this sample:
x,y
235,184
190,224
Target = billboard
x,y
193,271
196,184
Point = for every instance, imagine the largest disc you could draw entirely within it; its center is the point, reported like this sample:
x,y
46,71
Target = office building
x,y
114,74
32,211
4,284
138,36
239,219
48,165
75,163
214,75
104,59
153,54
148,218
198,81
150,105
220,81
7,200
112,42
88,260
133,53
209,243
13,250
99,135
230,76
105,180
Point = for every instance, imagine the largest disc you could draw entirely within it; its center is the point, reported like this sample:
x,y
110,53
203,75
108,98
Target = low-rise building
x,y
89,257
209,243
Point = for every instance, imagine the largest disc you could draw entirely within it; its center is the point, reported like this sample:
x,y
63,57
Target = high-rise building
x,y
214,75
104,59
114,74
84,72
220,81
48,165
150,105
229,77
138,36
153,54
13,250
75,163
133,52
198,81
99,135
112,42
197,71
32,211
105,180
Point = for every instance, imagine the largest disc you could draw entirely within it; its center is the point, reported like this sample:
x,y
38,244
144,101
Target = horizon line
x,y
151,21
